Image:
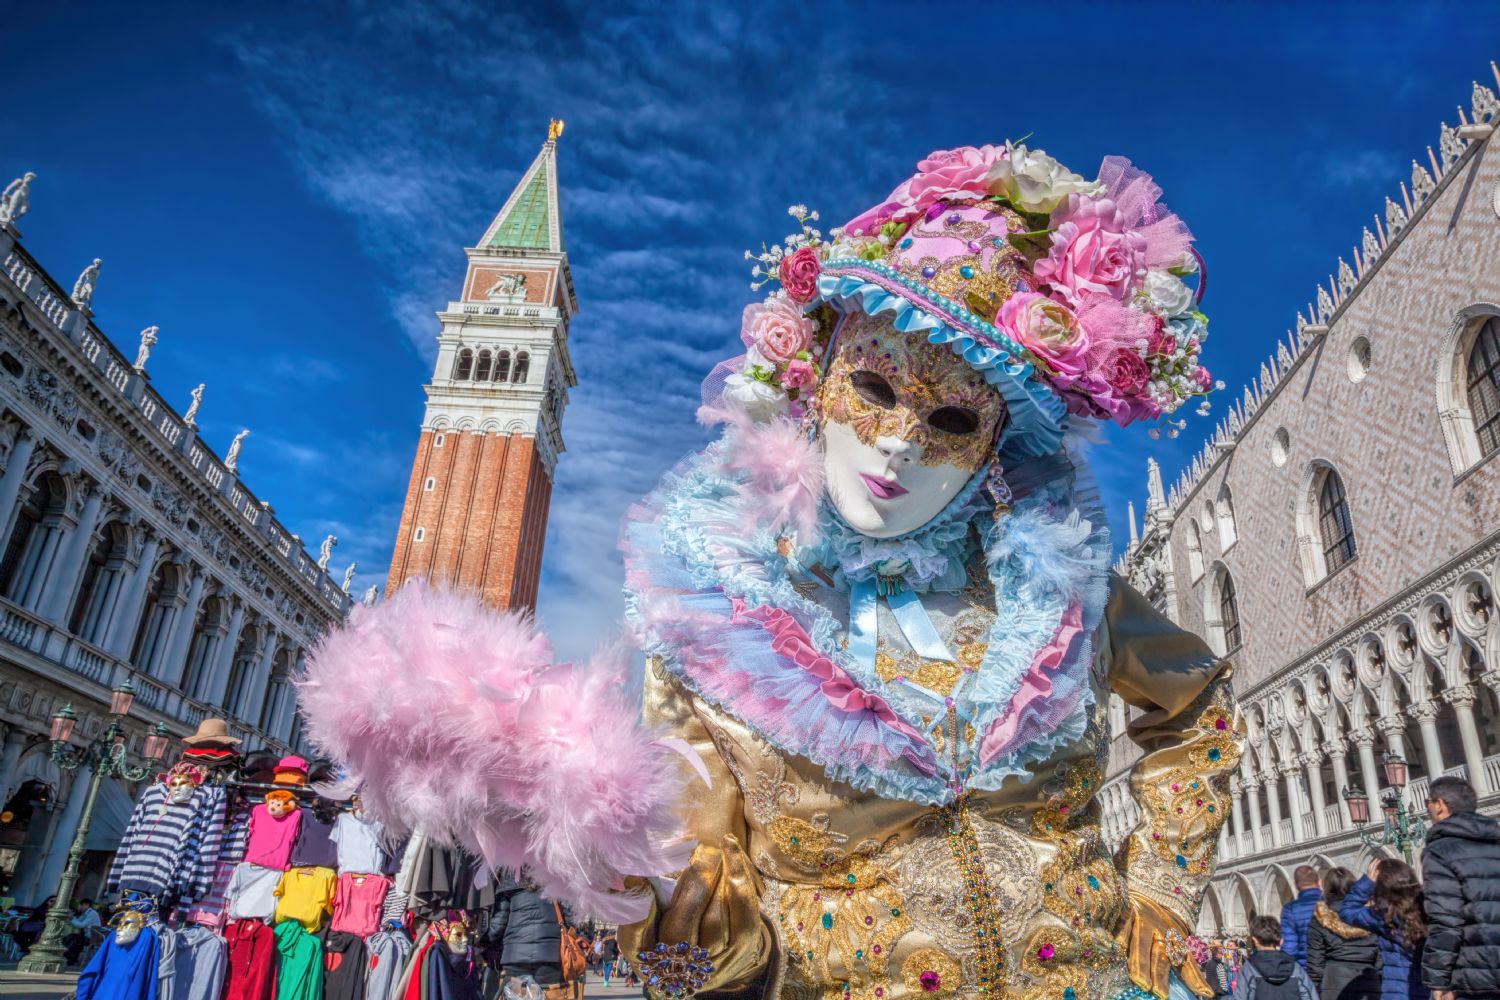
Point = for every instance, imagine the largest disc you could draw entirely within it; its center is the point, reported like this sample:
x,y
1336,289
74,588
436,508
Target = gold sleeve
x,y
1190,733
716,902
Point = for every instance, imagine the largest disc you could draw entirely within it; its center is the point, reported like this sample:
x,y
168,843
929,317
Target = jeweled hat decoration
x,y
1066,294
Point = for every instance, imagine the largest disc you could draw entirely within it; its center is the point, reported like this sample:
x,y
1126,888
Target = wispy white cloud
x,y
662,184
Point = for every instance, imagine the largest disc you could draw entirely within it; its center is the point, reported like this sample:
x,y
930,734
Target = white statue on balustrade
x,y
83,288
15,201
349,576
325,551
191,416
143,353
371,596
232,460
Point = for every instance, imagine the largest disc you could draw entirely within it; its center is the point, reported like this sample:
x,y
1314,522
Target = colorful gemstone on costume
x,y
1045,952
929,271
1181,861
828,921
1093,883
966,271
931,981
1213,754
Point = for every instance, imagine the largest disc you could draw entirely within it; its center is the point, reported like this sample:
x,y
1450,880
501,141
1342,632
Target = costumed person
x,y
880,627
126,966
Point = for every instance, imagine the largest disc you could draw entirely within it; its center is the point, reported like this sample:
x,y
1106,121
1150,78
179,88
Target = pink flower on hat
x,y
945,174
1202,378
1125,372
799,274
798,375
1047,328
1092,254
776,328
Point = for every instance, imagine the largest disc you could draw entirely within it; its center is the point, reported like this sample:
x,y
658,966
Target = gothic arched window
x,y
1224,632
1335,530
482,369
464,365
1483,371
523,366
1195,551
1224,510
502,366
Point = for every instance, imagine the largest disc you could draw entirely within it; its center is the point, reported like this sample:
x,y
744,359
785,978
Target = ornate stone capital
x,y
1462,696
1425,711
1363,737
1391,725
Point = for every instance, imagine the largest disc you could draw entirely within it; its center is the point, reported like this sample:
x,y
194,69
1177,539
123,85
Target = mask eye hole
x,y
873,389
954,420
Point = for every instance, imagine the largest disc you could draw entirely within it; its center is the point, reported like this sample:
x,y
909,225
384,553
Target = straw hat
x,y
211,731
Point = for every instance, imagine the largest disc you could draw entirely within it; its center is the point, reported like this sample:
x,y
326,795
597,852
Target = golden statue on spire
x,y
554,129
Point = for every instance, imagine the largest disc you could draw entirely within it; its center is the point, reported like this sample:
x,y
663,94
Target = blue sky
x,y
287,192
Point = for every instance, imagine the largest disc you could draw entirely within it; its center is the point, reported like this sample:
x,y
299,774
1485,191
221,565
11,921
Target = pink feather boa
x,y
451,718
780,469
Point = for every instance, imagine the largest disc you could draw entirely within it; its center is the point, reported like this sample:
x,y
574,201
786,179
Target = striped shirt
x,y
169,848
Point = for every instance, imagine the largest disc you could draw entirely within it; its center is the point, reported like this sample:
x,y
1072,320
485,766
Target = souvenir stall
x,y
246,878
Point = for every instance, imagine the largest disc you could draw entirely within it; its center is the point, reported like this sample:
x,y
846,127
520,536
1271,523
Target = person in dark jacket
x,y
1270,973
1461,878
524,936
1296,914
1388,901
1343,961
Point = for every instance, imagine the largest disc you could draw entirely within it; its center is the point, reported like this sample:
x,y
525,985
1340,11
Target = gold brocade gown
x,y
803,887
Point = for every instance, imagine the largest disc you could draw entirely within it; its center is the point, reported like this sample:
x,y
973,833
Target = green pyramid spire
x,y
528,219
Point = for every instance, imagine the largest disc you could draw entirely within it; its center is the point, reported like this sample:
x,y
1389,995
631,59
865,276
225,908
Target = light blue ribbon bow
x,y
911,618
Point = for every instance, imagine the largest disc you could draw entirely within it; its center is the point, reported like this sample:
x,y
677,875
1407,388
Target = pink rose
x,y
1047,328
1092,254
776,328
1125,372
947,173
798,375
799,274
1202,378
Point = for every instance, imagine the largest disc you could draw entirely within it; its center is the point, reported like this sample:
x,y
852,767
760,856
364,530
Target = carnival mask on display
x,y
456,936
280,804
128,928
905,423
180,789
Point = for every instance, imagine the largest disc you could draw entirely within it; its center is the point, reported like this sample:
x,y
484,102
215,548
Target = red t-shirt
x,y
357,902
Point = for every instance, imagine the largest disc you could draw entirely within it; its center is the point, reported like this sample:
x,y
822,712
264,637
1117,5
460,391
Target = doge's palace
x,y
1338,536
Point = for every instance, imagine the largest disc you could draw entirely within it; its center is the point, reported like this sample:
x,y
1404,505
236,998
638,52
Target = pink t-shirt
x,y
271,839
357,902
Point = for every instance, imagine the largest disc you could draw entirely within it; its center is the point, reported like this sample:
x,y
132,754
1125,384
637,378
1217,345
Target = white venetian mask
x,y
905,425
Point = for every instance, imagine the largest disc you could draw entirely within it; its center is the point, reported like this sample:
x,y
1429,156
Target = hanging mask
x,y
128,928
456,936
280,804
180,789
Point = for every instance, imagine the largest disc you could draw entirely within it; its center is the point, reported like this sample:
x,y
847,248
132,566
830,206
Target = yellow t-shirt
x,y
304,895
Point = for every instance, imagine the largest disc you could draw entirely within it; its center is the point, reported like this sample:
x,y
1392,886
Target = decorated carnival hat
x,y
1066,294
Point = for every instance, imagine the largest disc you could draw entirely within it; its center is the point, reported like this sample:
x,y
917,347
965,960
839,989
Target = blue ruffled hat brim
x,y
1037,417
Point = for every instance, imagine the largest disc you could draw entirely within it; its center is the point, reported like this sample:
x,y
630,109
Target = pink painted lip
x,y
883,489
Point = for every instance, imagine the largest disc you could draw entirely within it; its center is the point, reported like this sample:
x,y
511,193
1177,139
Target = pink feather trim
x,y
780,471
451,718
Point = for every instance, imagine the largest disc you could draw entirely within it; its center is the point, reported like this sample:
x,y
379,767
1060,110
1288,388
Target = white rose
x,y
760,401
1035,182
1166,294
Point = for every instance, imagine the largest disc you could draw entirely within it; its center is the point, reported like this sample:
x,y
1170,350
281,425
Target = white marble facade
x,y
127,549
1338,536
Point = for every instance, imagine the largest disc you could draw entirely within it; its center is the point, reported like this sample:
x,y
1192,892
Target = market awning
x,y
111,814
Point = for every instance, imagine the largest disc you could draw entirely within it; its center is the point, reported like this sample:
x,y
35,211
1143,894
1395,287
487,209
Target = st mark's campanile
x,y
476,505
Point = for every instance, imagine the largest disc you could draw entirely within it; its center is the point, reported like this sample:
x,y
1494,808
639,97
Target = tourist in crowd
x,y
609,951
1461,882
1206,954
1343,961
84,920
1270,973
30,929
1297,913
525,935
1388,901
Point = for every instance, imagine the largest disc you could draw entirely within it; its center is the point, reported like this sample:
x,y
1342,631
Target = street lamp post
x,y
1401,826
105,757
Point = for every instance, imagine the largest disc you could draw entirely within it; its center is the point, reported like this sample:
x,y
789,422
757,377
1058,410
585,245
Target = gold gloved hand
x,y
1155,943
716,906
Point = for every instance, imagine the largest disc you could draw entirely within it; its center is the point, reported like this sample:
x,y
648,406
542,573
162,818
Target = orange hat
x,y
291,771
